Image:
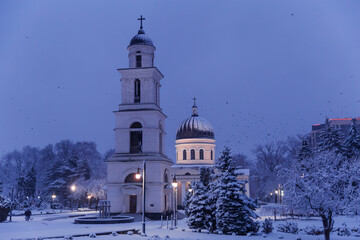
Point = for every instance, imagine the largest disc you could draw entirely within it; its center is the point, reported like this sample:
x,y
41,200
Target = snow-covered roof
x,y
242,171
191,165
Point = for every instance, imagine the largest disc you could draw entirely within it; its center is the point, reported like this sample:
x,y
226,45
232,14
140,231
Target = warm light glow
x,y
190,189
138,175
282,193
174,182
271,194
89,196
339,119
276,192
73,188
53,196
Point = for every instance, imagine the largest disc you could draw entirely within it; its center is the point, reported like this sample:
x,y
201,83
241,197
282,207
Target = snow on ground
x,y
59,224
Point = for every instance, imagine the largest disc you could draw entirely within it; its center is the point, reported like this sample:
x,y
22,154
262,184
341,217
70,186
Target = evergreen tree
x,y
331,139
212,195
352,142
305,152
234,210
198,208
30,183
187,201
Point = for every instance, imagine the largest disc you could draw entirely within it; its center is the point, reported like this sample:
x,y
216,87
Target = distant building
x,y
343,124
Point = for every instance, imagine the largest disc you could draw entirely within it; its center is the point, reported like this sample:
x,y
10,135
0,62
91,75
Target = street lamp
x,y
175,184
73,189
138,176
53,199
89,197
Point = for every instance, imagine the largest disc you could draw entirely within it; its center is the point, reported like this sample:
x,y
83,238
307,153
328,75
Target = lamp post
x,y
73,189
53,200
276,196
89,197
175,184
138,176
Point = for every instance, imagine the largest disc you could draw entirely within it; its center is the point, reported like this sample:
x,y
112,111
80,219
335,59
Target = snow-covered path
x,y
61,225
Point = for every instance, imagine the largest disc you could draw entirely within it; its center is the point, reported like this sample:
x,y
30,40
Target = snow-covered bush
x,y
68,238
267,226
4,207
155,237
313,230
344,230
288,227
355,229
92,235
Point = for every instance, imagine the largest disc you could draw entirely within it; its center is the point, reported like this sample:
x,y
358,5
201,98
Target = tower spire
x,y
141,20
195,109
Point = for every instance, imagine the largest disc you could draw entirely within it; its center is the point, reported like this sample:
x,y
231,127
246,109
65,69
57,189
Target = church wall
x,y
150,130
147,53
195,143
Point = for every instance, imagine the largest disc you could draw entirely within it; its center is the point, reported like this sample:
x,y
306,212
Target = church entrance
x,y
132,203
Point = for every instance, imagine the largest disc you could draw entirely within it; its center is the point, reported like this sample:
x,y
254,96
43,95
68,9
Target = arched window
x,y
192,153
137,91
187,174
138,61
135,138
136,125
132,179
201,154
166,176
211,155
184,154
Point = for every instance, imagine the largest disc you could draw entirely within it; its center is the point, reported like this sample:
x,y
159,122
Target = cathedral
x,y
140,137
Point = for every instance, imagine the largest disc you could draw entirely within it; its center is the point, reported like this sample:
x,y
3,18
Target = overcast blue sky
x,y
261,70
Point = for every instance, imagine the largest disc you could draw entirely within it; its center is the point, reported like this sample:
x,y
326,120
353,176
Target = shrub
x,y
255,227
4,207
288,227
267,226
344,230
92,235
313,230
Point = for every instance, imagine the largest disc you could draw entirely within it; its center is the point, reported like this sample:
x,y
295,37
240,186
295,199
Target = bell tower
x,y
139,134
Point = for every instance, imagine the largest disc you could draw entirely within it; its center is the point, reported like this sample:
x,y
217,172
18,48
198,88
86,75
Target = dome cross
x,y
141,20
194,101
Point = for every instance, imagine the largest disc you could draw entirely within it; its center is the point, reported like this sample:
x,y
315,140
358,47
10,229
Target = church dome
x,y
141,39
195,127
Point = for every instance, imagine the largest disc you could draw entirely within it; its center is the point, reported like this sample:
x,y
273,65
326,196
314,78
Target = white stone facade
x,y
139,135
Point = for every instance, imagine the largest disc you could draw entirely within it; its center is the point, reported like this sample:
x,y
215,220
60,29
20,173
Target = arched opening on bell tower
x,y
138,59
135,137
137,91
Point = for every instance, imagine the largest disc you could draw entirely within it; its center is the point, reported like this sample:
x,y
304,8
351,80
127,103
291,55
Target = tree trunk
x,y
328,224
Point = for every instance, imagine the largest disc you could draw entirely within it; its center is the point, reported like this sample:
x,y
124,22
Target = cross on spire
x,y
194,101
141,20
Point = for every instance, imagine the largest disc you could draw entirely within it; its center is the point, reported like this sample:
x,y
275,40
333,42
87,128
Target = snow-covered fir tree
x,y
187,200
198,210
305,153
212,195
234,210
352,142
331,139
